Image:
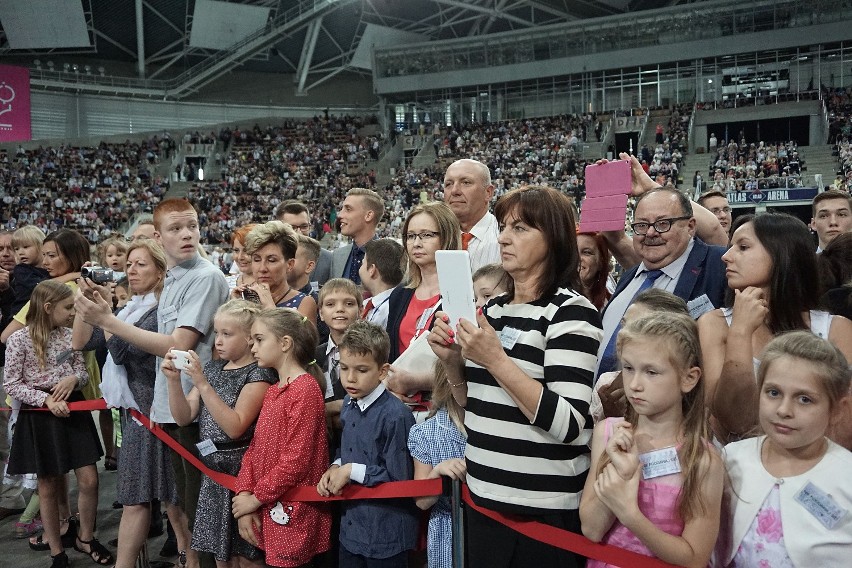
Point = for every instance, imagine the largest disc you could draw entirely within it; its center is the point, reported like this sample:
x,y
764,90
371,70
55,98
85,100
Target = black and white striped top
x,y
540,467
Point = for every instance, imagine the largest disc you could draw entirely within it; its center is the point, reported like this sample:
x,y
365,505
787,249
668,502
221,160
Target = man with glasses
x,y
296,214
717,204
671,257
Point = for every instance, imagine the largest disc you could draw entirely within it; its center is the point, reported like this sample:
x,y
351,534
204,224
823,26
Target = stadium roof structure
x,y
186,44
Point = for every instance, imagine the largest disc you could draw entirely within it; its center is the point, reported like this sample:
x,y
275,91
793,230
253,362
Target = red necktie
x,y
367,309
466,238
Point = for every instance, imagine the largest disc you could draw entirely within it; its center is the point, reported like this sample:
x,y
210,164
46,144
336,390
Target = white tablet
x,y
456,282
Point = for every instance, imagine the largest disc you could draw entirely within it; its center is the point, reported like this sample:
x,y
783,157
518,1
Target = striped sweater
x,y
540,467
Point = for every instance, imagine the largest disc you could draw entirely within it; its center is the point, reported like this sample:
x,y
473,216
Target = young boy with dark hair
x,y
373,450
380,273
306,260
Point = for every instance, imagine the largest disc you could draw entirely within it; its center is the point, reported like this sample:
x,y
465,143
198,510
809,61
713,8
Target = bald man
x,y
468,191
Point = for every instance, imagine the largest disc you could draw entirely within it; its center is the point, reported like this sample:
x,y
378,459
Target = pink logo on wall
x,y
15,122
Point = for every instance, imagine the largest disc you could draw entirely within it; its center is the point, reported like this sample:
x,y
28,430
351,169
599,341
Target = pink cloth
x,y
657,501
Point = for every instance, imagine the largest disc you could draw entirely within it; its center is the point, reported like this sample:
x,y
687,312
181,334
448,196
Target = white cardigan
x,y
808,542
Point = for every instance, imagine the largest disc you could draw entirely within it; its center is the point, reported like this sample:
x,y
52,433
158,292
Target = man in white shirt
x,y
832,216
468,191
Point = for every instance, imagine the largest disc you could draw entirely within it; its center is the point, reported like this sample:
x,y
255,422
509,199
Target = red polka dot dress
x,y
289,449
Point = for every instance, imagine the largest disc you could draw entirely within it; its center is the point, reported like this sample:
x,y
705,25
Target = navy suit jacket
x,y
703,273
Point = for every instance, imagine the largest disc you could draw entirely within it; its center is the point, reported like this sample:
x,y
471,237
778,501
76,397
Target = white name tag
x,y
206,447
820,504
509,336
658,463
699,306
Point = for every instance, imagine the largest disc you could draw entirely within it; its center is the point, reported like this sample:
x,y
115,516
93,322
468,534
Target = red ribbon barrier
x,y
567,540
540,532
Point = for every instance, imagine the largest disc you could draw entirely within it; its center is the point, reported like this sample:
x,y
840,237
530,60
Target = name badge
x,y
699,306
424,319
206,447
658,463
509,336
315,287
820,504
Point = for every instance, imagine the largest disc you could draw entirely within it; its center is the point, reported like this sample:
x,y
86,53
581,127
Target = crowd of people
x,y
315,161
744,166
571,400
92,189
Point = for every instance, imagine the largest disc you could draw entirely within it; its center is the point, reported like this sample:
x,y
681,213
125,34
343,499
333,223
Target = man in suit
x,y
296,214
359,216
671,257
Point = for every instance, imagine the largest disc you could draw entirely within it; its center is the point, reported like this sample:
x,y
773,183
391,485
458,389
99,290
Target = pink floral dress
x,y
763,544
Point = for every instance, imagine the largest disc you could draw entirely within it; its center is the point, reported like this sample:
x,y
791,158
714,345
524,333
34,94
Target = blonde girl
x,y
289,448
790,494
225,398
437,446
43,371
655,485
112,254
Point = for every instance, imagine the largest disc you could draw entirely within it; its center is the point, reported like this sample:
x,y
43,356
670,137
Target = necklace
x,y
282,296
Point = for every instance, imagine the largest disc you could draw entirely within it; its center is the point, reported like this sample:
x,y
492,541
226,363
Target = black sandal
x,y
59,561
68,539
97,552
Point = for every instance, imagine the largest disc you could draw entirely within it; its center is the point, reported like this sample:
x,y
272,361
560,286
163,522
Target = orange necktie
x,y
466,238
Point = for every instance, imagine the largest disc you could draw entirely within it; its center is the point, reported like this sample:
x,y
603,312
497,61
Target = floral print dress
x,y
763,544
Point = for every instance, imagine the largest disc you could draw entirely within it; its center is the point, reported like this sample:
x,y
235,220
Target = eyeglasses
x,y
660,225
423,236
303,227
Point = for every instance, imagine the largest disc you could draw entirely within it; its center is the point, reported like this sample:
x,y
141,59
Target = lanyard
x,y
375,309
424,319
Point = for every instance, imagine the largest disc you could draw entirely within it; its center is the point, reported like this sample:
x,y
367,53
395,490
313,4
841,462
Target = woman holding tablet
x,y
524,376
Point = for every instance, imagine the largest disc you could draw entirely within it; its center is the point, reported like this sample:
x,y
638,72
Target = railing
x,y
762,184
667,26
752,101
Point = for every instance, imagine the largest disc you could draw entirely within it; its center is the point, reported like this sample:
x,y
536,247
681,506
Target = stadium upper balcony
x,y
589,45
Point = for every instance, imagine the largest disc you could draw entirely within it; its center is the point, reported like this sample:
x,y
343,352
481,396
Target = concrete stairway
x,y
819,160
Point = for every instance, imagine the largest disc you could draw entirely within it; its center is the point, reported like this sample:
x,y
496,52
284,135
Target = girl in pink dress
x,y
655,484
289,448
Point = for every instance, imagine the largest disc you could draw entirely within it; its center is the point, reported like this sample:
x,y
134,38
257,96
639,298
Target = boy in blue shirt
x,y
380,532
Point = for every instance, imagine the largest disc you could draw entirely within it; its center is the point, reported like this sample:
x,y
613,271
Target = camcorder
x,y
100,275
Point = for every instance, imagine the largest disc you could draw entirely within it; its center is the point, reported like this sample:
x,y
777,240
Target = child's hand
x,y
620,495
194,370
455,468
168,366
58,408
339,478
322,486
249,525
63,389
622,450
243,504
